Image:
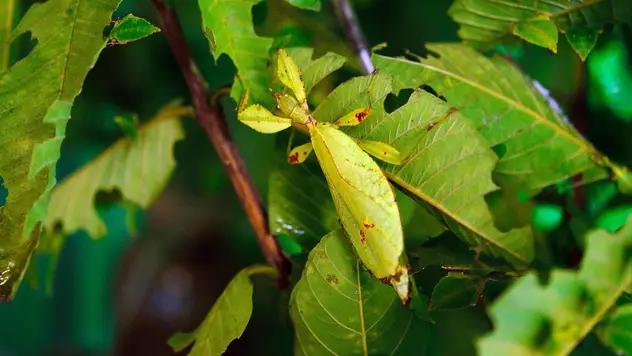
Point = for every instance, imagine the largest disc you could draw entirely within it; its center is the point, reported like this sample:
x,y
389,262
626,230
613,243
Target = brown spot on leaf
x,y
362,237
447,115
293,158
332,279
362,115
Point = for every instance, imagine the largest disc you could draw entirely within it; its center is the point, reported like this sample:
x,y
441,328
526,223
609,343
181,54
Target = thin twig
x,y
353,31
213,122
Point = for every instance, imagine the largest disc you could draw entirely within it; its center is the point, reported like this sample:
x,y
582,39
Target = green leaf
x,y
583,40
339,309
8,19
532,319
539,30
36,97
303,214
508,109
455,177
131,28
485,23
616,331
314,70
226,321
128,124
229,24
124,167
305,4
458,330
453,292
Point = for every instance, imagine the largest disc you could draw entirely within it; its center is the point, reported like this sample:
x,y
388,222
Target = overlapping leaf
x,y
315,70
226,321
229,29
36,97
339,309
484,23
441,171
138,168
536,145
531,319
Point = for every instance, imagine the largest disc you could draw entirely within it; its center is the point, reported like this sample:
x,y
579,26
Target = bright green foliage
x,y
485,23
36,97
306,4
539,147
7,22
131,28
123,167
532,319
339,309
583,40
455,291
452,178
305,215
228,26
611,81
315,70
539,30
226,321
616,330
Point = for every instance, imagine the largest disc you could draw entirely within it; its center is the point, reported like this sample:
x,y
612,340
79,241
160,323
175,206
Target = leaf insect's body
x,y
364,199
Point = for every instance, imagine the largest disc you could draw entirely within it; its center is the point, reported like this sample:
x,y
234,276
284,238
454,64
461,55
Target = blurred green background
x,y
125,295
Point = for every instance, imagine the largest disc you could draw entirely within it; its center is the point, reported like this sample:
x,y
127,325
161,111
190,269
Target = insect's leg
x,y
300,153
382,151
354,118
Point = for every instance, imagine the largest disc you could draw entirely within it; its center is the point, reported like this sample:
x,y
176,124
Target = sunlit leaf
x,y
485,23
288,73
452,178
36,96
539,147
300,153
124,167
339,309
539,30
616,331
382,151
229,24
262,120
535,319
315,70
8,19
226,321
131,28
453,292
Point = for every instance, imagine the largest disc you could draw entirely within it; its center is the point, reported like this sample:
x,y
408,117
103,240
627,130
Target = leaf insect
x,y
364,199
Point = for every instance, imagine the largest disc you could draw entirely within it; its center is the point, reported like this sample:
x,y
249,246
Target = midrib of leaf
x,y
360,306
539,118
593,321
450,214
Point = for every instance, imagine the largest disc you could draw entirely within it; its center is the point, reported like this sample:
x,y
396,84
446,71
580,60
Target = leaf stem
x,y
353,31
214,124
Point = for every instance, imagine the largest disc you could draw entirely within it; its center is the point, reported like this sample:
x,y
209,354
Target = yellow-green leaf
x,y
124,167
539,30
262,120
365,203
356,117
313,71
226,321
290,76
8,19
382,151
36,97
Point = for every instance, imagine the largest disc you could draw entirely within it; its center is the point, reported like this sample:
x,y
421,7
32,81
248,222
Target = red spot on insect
x,y
293,159
362,237
362,115
385,153
369,226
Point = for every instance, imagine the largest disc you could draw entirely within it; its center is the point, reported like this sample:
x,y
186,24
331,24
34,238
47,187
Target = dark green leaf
x,y
36,97
122,167
226,321
128,124
455,291
306,4
583,40
339,309
617,330
539,30
458,331
131,28
532,319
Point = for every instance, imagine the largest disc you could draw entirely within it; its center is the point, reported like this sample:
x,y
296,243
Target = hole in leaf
x,y
500,150
4,192
21,47
394,102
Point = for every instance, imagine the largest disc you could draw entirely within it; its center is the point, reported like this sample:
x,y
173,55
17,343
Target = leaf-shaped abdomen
x,y
364,199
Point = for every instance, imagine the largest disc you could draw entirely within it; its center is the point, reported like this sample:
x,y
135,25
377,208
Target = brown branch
x,y
213,122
